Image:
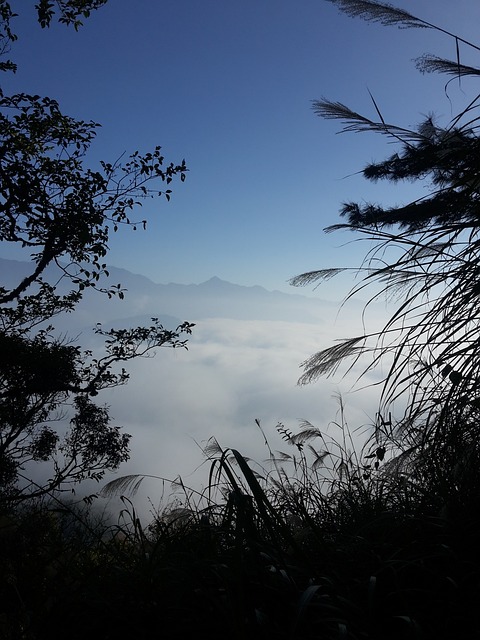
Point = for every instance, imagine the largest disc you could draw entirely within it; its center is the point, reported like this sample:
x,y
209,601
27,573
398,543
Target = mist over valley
x,y
242,364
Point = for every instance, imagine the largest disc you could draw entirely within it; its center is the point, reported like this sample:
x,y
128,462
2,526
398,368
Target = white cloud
x,y
233,373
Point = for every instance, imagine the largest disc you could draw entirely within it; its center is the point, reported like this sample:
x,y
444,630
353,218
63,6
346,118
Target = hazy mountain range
x,y
175,303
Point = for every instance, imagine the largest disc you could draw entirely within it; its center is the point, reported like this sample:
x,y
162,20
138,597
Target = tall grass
x,y
325,538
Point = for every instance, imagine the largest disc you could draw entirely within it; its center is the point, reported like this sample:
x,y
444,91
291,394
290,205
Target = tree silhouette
x,y
62,213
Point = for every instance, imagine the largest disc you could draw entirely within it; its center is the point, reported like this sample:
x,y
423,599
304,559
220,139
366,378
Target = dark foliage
x,y
425,253
62,213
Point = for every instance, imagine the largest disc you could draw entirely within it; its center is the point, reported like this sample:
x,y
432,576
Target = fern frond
x,y
327,361
306,434
212,449
381,12
305,279
306,424
435,64
126,484
388,15
355,122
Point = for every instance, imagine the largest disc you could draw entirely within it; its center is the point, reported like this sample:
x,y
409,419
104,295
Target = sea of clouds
x,y
234,373
242,366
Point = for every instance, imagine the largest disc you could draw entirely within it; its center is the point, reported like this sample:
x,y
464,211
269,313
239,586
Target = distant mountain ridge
x,y
215,298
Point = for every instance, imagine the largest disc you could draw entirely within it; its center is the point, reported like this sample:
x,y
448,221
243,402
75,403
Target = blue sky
x,y
228,86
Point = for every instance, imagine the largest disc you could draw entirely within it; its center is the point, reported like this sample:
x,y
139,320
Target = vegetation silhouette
x,y
62,214
424,255
321,540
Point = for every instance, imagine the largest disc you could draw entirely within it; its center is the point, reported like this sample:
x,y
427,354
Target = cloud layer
x,y
235,371
242,365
